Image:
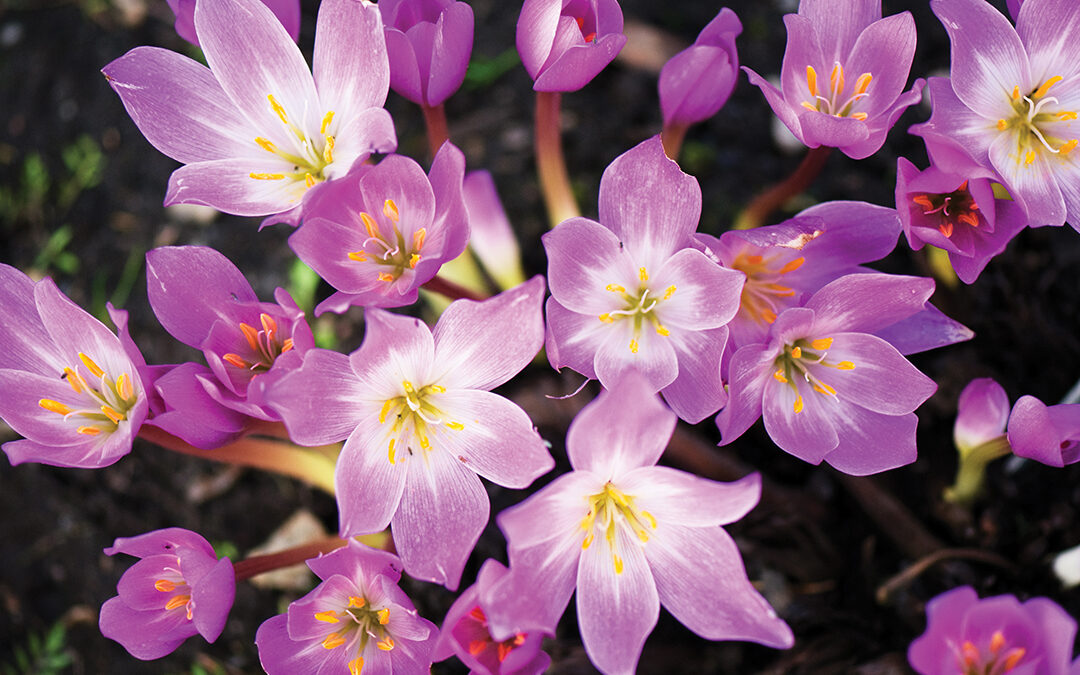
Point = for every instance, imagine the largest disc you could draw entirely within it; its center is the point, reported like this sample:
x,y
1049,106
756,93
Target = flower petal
x,y
981,413
583,258
227,185
706,295
867,302
320,402
350,65
870,442
882,380
698,390
369,486
674,496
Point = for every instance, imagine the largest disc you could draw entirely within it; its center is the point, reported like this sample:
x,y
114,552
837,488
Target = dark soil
x,y
820,545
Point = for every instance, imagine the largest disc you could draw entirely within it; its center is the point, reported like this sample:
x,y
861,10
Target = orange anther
x,y
386,644
504,651
384,615
333,640
796,352
265,144
356,601
1002,125
1013,658
309,180
1068,147
836,78
997,642
358,256
54,406
123,387
946,229
89,431
268,325
779,376
287,345
1016,93
792,265
845,365
1045,86
356,665
74,380
390,210
113,415
251,335
164,585
754,259
477,646
369,224
234,360
177,601
327,617
798,404
768,315
861,116
478,614
418,239
386,276
863,83
94,368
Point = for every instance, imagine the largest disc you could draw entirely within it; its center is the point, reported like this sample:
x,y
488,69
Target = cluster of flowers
x,y
780,323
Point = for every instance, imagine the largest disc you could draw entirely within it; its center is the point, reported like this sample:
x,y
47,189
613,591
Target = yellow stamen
x,y
266,144
89,431
54,406
356,601
268,324
425,444
456,426
385,410
390,453
1066,115
845,365
779,377
356,665
997,640
326,120
642,274
821,343
384,615
1045,87
370,225
386,276
808,106
267,176
1068,147
414,259
811,80
309,180
328,150
861,116
669,292
587,542
796,352
633,346
333,640
863,83
74,380
90,365
358,256
418,239
112,414
798,404
614,288
124,387
768,315
792,265
661,330
1002,125
327,617
649,517
386,644
1014,657
836,78
1016,93
606,318
823,388
177,601
277,108
164,585
618,563
1029,158
390,210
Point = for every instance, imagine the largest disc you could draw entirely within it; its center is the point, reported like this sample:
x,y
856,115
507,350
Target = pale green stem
x,y
971,473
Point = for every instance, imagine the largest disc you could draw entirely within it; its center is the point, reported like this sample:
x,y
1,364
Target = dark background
x,y
80,200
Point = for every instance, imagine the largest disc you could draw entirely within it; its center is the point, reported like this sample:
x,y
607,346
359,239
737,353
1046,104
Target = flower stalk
x,y
765,203
437,130
452,290
260,564
550,163
971,473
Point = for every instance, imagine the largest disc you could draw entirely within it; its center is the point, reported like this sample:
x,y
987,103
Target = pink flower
x,y
564,44
429,43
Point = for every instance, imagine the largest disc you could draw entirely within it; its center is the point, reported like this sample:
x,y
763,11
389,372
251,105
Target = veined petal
x,y
775,98
395,348
583,258
447,177
369,487
322,401
19,408
882,380
180,107
617,602
572,339
27,343
839,26
146,635
350,65
809,434
952,119
73,330
623,350
324,245
443,510
748,375
707,295
227,185
1034,185
1050,32
819,128
452,47
885,49
678,497
802,50
867,302
369,131
870,442
551,515
698,390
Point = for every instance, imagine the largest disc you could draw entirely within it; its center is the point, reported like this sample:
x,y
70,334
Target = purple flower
x,y
204,301
1011,102
429,43
177,589
955,210
843,73
465,633
70,386
421,423
1047,434
697,81
981,414
629,536
256,131
565,43
630,293
357,620
492,237
827,388
382,232
286,11
997,635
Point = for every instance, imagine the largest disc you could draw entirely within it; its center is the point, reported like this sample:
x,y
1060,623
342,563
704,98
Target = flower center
x,y
171,582
997,660
357,623
483,641
386,246
762,297
956,207
799,360
265,345
309,157
833,100
1034,126
611,509
588,36
638,307
412,415
103,402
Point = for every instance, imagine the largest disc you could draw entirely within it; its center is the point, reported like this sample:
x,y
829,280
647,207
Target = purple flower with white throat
x,y
827,388
179,588
629,536
698,81
287,12
422,424
564,44
381,233
843,73
629,292
70,386
257,130
357,620
1047,434
429,43
1012,99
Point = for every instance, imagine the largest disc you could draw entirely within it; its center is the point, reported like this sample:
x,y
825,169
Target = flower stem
x,y
310,466
765,203
437,130
971,473
550,163
672,137
260,564
452,290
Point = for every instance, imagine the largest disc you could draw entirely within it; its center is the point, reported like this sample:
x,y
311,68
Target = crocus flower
x,y
629,292
826,387
179,588
70,386
492,237
629,536
697,81
1011,101
955,210
465,634
979,436
997,636
357,620
381,233
421,423
204,301
256,131
843,73
287,12
429,43
565,43
785,263
1047,434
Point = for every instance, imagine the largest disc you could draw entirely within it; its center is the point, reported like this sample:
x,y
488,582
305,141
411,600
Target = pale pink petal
x,y
583,258
74,331
623,350
981,413
698,391
350,66
321,401
369,486
749,372
396,348
227,185
27,343
537,590
809,434
867,302
1050,32
882,380
885,49
1034,185
674,496
706,295
870,442
838,26
572,339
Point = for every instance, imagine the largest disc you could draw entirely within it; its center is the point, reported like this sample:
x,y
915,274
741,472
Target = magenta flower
x,y
629,536
1047,434
465,634
179,588
429,43
421,423
357,620
564,44
287,12
1011,102
843,73
697,81
981,414
381,233
70,386
827,388
492,237
996,636
629,292
256,130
